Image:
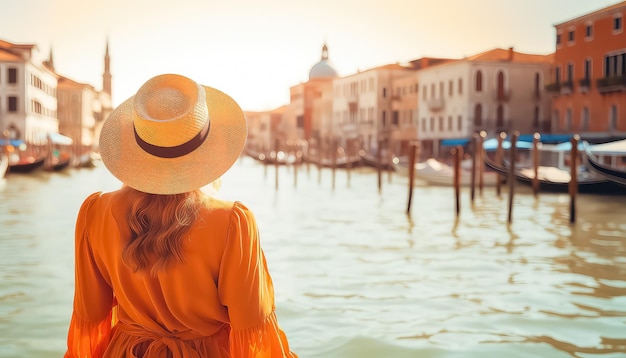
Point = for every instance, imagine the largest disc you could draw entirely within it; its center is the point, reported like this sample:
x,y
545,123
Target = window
x,y
423,124
537,81
615,65
459,123
570,72
12,104
557,75
440,89
588,31
479,81
449,123
617,24
558,39
570,36
432,123
384,92
12,75
450,88
395,118
424,92
584,117
441,124
587,69
460,86
300,121
478,116
500,118
568,120
500,85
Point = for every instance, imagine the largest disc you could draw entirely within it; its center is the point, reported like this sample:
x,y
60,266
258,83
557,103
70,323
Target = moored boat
x,y
26,164
608,160
435,172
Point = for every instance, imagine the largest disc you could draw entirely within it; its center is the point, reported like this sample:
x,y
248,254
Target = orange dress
x,y
218,303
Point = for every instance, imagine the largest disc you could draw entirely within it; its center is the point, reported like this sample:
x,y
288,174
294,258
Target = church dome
x,y
323,69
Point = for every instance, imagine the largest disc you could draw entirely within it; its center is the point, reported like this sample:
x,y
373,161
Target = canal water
x,y
354,275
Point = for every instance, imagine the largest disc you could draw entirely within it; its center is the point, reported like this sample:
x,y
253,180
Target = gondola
x,y
554,179
615,149
26,165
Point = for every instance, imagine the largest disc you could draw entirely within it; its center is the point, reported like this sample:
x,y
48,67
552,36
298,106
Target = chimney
x,y
510,53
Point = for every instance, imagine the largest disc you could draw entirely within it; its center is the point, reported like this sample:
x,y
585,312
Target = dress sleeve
x,y
92,317
246,289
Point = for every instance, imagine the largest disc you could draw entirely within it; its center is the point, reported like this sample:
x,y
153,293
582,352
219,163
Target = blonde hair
x,y
158,225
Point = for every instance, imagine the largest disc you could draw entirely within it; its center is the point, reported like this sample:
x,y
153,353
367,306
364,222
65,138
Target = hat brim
x,y
151,174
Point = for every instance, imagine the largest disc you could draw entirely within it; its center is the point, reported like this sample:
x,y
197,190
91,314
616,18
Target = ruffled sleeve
x,y
93,315
246,288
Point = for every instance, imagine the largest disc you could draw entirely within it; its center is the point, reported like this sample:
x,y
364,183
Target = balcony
x,y
502,95
553,87
567,87
611,84
436,104
584,85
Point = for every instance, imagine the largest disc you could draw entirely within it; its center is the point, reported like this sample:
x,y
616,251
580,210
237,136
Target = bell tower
x,y
106,76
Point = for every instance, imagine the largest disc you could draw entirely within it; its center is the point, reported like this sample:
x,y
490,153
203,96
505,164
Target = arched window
x,y
500,118
479,81
500,85
537,82
536,119
478,116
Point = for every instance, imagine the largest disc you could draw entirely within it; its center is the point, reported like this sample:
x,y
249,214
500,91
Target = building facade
x,y
363,107
494,91
589,78
28,97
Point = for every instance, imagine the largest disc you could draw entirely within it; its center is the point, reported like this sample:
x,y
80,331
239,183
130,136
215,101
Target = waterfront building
x,y
494,91
82,109
28,98
589,78
362,106
264,128
404,104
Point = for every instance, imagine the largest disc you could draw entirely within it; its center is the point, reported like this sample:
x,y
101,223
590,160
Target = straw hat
x,y
173,136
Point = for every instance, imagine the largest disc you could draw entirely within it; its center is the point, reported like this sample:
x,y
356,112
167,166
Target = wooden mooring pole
x,y
412,158
457,152
499,156
379,165
573,183
511,177
481,161
536,138
473,173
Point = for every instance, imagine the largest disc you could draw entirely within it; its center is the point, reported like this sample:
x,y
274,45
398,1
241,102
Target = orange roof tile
x,y
509,55
9,56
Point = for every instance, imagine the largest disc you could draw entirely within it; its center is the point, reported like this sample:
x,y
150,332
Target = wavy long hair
x,y
158,225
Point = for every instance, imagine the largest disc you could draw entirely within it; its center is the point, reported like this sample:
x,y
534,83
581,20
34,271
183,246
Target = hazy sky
x,y
255,50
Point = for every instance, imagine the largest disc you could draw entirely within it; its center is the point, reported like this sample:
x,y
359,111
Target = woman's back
x,y
219,295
